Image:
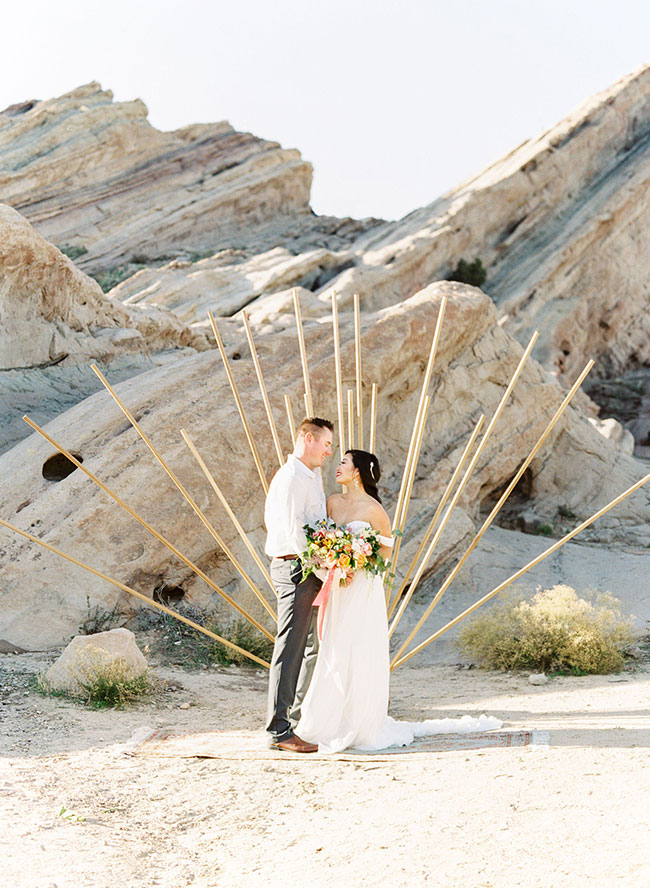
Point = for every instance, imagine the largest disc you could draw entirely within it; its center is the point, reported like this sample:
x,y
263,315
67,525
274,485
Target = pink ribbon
x,y
323,597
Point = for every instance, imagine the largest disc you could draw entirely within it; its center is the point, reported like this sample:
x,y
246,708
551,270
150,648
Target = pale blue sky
x,y
392,102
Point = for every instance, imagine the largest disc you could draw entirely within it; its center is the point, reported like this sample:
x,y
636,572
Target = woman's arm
x,y
381,523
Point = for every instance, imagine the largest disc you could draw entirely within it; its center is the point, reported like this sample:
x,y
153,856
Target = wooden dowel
x,y
292,425
395,524
308,405
511,486
373,417
145,598
461,486
303,354
350,419
407,495
224,502
357,366
265,397
423,393
238,402
407,466
197,570
337,373
211,530
522,571
431,527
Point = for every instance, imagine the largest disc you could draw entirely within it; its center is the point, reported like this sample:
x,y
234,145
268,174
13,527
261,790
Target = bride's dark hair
x,y
368,466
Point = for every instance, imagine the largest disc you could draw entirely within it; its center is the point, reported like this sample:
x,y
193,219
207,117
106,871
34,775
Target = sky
x,y
393,103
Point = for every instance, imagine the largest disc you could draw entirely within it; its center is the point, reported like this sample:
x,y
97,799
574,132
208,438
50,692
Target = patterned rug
x,y
242,745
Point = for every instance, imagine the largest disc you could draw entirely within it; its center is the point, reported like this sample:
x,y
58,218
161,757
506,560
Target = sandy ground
x,y
575,814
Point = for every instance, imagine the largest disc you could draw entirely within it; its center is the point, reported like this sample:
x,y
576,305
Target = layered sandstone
x,y
55,319
93,174
578,470
560,224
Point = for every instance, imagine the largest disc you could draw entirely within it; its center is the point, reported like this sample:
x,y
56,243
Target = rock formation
x,y
94,175
211,219
55,319
578,469
560,225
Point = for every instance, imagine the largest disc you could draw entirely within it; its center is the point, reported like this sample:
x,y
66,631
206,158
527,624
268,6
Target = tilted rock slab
x,y
561,225
94,174
55,319
43,599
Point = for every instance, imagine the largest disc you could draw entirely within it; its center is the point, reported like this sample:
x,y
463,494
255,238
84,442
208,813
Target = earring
x,y
356,482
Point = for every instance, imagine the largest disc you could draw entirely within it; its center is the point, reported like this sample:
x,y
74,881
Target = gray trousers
x,y
296,646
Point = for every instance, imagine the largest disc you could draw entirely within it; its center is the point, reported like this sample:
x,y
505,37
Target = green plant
x,y
544,530
98,619
73,252
114,684
114,276
469,273
555,631
241,633
183,646
103,684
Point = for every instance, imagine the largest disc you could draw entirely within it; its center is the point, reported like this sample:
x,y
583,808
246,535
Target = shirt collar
x,y
299,464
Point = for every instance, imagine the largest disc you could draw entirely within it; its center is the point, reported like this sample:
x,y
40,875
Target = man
x,y
295,498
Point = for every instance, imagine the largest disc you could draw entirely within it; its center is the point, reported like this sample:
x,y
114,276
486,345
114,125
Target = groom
x,y
295,498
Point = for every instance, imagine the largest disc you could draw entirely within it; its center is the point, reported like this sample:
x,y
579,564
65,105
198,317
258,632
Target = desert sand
x,y
572,813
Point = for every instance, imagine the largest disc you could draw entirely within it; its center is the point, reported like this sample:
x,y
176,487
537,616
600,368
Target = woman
x,y
347,701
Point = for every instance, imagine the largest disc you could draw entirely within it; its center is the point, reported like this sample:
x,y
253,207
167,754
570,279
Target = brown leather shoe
x,y
294,744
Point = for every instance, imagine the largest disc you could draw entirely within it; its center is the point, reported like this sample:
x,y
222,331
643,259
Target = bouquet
x,y
337,551
330,546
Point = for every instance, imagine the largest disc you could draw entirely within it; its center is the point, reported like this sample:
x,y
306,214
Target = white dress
x,y
347,701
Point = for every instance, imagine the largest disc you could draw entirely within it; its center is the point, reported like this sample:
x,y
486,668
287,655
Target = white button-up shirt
x,y
295,498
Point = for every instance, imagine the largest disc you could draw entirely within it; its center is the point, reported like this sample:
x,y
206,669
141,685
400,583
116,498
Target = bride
x,y
347,701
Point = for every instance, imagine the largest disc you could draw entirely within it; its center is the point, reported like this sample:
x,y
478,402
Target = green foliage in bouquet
x,y
555,631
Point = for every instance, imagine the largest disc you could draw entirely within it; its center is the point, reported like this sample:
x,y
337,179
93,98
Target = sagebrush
x,y
556,631
104,683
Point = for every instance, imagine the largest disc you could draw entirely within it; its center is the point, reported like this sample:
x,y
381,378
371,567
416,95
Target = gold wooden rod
x,y
350,419
522,571
357,366
409,488
337,372
240,530
211,530
145,598
423,393
432,523
197,570
292,425
511,486
265,397
303,354
373,417
238,402
461,486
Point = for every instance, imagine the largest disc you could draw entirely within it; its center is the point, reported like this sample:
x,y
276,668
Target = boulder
x,y
88,656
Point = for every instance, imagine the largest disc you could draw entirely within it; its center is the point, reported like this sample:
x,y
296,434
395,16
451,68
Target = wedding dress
x,y
347,701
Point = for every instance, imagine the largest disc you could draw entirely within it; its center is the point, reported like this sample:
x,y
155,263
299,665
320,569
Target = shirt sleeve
x,y
284,516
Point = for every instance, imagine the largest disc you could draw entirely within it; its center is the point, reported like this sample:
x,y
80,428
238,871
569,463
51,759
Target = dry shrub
x,y
100,682
114,684
555,631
